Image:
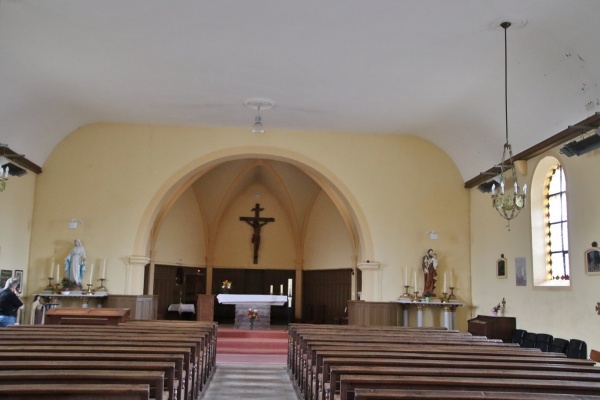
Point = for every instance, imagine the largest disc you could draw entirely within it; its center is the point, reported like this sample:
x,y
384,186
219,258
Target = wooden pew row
x,y
168,368
399,394
74,391
89,339
507,351
349,383
334,367
327,356
152,379
303,358
503,373
202,367
310,367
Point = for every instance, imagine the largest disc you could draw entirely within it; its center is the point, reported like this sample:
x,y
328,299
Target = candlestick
x,y
281,289
101,288
451,293
89,288
57,272
405,294
271,290
104,269
405,275
445,298
416,297
50,286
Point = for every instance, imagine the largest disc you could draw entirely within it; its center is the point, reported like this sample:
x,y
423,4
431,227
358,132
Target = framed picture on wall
x,y
592,260
19,276
4,275
501,267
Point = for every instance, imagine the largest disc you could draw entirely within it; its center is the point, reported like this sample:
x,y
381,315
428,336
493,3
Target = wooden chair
x,y
595,355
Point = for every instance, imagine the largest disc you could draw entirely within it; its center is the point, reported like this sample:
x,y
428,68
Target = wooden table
x,y
86,316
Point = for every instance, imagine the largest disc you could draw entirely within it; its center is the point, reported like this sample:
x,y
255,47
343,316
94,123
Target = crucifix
x,y
256,223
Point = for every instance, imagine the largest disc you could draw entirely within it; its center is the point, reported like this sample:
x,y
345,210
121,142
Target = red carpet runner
x,y
252,346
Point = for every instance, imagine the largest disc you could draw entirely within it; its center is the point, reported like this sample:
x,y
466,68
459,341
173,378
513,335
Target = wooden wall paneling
x,y
325,294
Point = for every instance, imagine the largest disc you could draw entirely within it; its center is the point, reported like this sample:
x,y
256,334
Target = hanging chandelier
x,y
508,204
3,178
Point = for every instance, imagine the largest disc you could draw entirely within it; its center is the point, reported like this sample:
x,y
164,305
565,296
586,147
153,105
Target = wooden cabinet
x,y
141,306
493,327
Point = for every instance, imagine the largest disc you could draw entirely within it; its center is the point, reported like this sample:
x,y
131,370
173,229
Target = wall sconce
x,y
433,235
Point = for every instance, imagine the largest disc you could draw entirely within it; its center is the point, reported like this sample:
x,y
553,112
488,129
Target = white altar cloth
x,y
252,299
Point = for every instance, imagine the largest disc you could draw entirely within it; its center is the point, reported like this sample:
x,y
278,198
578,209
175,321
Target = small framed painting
x,y
592,260
4,275
19,276
521,271
501,267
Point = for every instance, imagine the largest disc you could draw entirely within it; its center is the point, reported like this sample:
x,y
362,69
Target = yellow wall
x,y
566,312
119,178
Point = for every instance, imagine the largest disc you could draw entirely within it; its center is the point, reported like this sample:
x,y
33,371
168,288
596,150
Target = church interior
x,y
311,149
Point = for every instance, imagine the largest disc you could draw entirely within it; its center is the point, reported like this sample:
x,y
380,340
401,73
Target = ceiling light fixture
x,y
508,206
259,104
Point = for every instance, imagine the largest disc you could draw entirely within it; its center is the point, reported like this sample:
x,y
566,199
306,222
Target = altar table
x,y
259,302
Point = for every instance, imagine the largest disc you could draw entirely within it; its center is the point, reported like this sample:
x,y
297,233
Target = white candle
x,y
415,281
281,289
104,269
290,287
91,274
52,269
57,272
451,278
445,283
405,276
271,289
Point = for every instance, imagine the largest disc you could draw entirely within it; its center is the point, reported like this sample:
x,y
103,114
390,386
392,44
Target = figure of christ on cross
x,y
256,223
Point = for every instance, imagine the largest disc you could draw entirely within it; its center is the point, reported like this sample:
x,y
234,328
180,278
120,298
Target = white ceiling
x,y
431,68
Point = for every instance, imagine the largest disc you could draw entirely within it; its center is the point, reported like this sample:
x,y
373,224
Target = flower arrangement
x,y
497,308
66,283
252,314
226,284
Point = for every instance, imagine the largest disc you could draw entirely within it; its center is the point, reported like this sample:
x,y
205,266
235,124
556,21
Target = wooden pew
x,y
168,368
75,391
349,383
160,332
6,349
452,372
400,394
154,379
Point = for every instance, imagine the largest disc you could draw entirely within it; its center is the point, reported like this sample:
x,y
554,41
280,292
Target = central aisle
x,y
250,381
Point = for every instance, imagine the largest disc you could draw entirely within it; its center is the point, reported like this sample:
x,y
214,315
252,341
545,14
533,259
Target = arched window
x,y
549,231
555,218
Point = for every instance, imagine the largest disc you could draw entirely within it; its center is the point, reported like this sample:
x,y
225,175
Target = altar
x,y
261,303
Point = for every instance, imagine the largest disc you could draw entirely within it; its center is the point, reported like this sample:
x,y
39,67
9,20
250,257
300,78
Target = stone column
x,y
371,290
134,276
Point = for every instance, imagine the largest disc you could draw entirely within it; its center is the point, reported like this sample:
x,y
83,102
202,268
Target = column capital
x,y
369,266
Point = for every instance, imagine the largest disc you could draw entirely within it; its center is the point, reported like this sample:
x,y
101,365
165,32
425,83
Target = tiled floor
x,y
250,381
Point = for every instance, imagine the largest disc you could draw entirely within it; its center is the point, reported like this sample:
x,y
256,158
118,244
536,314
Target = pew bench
x,y
399,394
75,391
153,379
349,383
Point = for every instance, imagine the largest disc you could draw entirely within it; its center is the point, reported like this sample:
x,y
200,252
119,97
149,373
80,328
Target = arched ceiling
x,y
430,68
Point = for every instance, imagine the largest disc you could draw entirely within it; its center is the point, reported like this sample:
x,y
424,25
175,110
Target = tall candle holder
x,y
405,295
101,288
445,299
89,289
50,286
452,296
57,288
416,297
